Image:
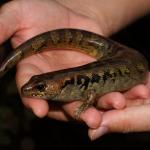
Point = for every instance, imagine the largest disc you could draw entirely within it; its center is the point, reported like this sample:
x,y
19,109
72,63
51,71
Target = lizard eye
x,y
40,87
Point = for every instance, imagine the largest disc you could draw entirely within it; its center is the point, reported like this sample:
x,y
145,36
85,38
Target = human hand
x,y
47,15
133,118
44,15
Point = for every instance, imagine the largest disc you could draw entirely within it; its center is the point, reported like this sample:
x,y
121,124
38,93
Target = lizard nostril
x,y
25,90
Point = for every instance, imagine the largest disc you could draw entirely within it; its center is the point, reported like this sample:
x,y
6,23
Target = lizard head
x,y
42,88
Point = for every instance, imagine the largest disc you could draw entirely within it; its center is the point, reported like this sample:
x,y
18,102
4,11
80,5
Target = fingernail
x,y
98,132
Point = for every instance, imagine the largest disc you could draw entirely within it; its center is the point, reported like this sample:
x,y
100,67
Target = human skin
x,y
23,19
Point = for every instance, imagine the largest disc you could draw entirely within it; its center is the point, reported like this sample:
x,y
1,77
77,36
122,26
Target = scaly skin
x,y
118,68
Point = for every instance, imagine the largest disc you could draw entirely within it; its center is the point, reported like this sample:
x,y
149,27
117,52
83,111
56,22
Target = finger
x,y
140,91
112,100
131,119
137,96
9,20
39,107
91,116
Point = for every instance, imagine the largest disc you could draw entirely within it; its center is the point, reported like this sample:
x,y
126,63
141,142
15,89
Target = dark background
x,y
21,130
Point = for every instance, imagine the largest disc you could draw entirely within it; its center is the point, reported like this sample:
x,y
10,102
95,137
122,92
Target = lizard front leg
x,y
90,98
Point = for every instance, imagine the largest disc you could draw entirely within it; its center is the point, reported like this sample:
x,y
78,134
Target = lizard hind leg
x,y
89,101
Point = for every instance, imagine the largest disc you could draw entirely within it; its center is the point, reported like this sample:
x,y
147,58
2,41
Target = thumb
x,y
9,20
131,119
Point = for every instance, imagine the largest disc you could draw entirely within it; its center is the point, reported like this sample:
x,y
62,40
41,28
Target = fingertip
x,y
139,91
112,100
92,117
39,107
40,111
120,102
97,133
